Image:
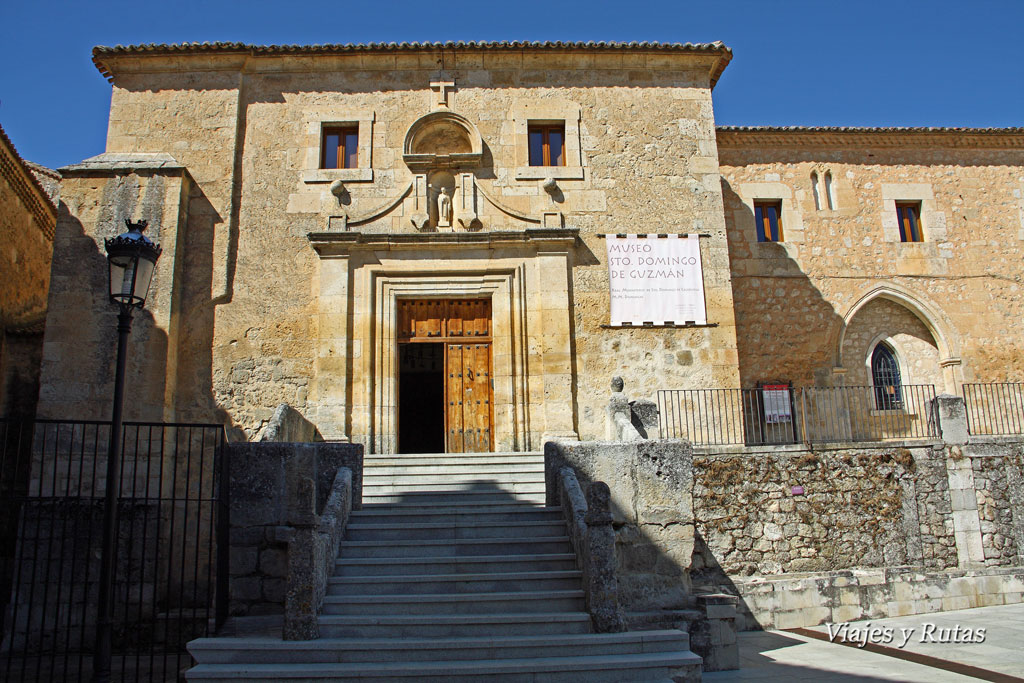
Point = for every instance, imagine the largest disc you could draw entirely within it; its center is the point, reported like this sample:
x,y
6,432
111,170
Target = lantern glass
x,y
132,259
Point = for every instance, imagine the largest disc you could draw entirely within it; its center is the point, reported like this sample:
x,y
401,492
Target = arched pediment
x,y
442,139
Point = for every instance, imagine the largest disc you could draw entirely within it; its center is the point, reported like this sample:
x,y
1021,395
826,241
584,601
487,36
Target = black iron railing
x,y
995,408
728,416
170,578
777,414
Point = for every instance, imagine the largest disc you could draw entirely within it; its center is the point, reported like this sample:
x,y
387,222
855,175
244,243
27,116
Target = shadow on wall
x,y
697,523
168,370
652,514
785,329
81,337
21,354
201,296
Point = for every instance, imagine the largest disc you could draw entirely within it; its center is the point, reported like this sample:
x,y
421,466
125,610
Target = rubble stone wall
x,y
1000,498
781,510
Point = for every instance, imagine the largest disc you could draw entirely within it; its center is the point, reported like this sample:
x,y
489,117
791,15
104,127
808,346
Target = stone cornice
x,y
105,57
18,175
755,137
112,163
329,244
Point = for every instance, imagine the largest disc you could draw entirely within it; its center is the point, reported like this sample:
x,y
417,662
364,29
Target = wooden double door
x,y
454,335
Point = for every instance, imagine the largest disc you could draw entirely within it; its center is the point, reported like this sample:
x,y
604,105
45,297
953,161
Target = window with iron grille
x,y
885,376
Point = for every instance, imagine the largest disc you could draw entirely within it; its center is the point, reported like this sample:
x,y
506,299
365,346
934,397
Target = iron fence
x,y
995,408
777,414
727,416
170,578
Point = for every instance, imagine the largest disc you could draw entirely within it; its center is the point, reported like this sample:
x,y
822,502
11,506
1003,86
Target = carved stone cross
x,y
442,88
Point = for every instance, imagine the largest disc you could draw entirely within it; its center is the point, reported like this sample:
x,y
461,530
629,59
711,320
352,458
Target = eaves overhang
x,y
102,55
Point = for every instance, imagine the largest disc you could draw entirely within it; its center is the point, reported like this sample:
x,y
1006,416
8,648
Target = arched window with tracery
x,y
885,376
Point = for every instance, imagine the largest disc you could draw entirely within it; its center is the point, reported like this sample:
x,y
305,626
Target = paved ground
x,y
785,656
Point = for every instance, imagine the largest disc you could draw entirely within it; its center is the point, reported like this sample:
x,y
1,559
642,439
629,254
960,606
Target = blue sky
x,y
821,62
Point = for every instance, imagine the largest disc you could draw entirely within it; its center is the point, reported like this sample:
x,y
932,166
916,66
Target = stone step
x,y
452,498
444,506
470,473
436,469
463,529
455,547
459,603
482,460
657,666
266,650
456,515
444,485
467,564
455,456
450,625
448,584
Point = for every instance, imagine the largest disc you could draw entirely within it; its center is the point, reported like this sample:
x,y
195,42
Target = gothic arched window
x,y
885,376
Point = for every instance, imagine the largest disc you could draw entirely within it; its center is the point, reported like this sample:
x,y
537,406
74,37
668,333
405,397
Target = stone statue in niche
x,y
444,208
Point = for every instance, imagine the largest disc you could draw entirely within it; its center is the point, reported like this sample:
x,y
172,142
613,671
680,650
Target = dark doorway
x,y
421,422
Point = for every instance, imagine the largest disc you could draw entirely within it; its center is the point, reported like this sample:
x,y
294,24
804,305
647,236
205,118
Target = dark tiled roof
x,y
717,47
887,136
857,129
27,185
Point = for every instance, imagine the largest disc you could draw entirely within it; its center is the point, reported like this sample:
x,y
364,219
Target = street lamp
x,y
131,258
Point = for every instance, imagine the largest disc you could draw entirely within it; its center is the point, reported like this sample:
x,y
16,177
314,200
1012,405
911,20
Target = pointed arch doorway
x,y
445,383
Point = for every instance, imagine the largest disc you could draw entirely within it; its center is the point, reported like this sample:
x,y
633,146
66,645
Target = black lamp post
x,y
131,258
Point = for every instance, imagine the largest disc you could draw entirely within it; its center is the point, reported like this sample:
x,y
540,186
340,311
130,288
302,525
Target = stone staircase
x,y
453,571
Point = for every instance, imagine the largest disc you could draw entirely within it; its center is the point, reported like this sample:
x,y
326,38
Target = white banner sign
x,y
656,280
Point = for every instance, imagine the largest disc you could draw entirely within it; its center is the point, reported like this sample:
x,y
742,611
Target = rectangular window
x,y
768,215
340,148
547,144
909,215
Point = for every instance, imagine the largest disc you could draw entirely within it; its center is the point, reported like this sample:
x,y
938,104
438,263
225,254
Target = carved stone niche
x,y
442,140
443,149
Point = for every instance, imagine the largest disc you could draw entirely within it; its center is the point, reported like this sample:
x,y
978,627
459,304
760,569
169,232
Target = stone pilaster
x,y
332,361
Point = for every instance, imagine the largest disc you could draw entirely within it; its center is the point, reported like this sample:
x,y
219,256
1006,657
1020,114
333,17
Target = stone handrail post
x,y
589,520
313,542
602,588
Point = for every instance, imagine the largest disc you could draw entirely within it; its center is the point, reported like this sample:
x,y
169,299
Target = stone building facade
x,y
813,307
28,213
282,281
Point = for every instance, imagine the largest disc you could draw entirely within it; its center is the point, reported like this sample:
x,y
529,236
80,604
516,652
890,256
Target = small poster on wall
x,y
656,280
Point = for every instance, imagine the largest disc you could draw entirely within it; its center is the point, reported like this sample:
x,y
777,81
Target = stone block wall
x,y
795,298
261,476
28,212
650,484
802,600
999,489
290,426
267,325
807,535
77,372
